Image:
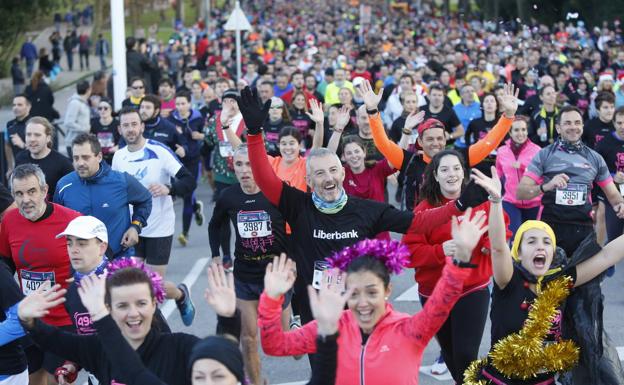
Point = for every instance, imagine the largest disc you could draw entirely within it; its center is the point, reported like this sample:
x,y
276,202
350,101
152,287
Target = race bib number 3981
x,y
253,224
31,280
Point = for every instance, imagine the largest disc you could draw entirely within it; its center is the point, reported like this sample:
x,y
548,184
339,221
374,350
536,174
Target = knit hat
x,y
231,93
222,350
526,226
429,123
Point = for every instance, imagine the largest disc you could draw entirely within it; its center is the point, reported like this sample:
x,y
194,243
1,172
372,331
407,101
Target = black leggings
x,y
189,200
460,336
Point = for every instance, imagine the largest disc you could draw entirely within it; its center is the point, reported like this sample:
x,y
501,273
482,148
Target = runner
x,y
127,300
327,219
512,160
431,137
95,189
377,344
13,363
161,129
191,123
525,278
39,143
460,336
154,166
260,236
28,245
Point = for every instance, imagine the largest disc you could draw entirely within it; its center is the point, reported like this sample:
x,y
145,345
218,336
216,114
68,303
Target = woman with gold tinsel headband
x,y
527,344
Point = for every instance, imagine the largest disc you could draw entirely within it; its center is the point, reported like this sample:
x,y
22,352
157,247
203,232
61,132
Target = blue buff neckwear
x,y
99,270
330,207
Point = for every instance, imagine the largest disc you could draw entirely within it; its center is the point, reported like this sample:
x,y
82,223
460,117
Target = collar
x,y
330,207
99,270
151,122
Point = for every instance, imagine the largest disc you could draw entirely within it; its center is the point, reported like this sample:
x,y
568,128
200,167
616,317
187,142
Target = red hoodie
x,y
427,255
393,351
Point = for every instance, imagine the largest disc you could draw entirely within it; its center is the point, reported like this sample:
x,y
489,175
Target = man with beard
x,y
159,128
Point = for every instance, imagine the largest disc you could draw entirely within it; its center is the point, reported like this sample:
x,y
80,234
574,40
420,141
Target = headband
x,y
393,254
155,278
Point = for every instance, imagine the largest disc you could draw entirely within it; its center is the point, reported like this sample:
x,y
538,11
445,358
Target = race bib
x,y
106,139
317,278
254,224
572,195
225,149
31,280
621,186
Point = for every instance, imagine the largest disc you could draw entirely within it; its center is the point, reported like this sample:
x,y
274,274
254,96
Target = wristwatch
x,y
372,112
463,264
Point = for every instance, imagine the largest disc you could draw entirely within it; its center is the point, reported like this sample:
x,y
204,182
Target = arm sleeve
x,y
269,183
388,148
424,324
184,183
230,325
325,361
81,349
478,151
219,218
10,328
275,341
423,253
140,199
122,357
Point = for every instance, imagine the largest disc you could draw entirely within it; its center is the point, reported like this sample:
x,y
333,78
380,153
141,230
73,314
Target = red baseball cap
x,y
430,123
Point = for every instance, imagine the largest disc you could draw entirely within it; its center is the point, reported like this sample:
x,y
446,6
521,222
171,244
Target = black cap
x,y
231,93
329,72
222,350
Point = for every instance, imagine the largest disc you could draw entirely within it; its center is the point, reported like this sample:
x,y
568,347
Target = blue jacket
x,y
107,196
195,122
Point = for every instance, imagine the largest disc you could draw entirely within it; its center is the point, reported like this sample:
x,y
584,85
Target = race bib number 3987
x,y
31,280
254,224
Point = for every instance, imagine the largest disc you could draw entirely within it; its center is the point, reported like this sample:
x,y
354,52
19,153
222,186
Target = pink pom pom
x,y
157,281
393,254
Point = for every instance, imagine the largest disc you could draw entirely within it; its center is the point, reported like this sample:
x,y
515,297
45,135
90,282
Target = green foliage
x,y
18,16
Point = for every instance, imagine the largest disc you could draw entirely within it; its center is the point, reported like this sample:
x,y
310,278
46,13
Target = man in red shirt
x,y
298,82
29,246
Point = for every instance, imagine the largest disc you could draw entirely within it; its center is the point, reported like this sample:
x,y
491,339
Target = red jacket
x,y
393,351
427,255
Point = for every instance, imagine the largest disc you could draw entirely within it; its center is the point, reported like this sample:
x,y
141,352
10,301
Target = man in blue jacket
x,y
95,189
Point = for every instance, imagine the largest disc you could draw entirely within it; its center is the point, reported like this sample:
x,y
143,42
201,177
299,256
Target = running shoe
x,y
295,323
199,213
186,306
439,366
182,238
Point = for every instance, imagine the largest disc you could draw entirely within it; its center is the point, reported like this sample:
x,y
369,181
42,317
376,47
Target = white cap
x,y
86,227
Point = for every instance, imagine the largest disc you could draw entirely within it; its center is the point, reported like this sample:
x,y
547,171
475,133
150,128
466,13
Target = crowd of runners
x,y
361,140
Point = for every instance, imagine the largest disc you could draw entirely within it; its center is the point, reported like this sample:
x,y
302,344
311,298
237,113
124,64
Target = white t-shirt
x,y
154,163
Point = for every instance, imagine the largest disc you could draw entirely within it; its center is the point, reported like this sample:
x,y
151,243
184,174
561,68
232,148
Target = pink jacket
x,y
393,351
505,160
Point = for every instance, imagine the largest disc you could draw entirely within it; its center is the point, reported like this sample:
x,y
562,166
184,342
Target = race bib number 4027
x,y
254,224
572,195
31,280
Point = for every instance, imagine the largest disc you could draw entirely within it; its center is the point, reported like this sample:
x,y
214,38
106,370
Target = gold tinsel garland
x,y
523,355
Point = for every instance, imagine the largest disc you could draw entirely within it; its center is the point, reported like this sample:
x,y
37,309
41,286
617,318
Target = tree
x,y
21,15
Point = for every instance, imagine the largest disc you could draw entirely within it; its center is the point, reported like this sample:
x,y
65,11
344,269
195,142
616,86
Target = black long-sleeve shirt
x,y
166,355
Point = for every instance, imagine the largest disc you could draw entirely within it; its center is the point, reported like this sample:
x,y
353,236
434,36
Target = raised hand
x,y
371,99
328,303
220,293
414,119
509,100
227,113
343,117
467,233
492,185
279,277
317,114
253,111
92,291
39,303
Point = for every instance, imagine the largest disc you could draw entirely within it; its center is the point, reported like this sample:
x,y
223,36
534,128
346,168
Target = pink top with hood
x,y
505,161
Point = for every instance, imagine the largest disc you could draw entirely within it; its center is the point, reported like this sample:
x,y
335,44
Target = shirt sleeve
x,y
388,148
423,253
219,218
10,328
480,150
270,184
603,175
535,170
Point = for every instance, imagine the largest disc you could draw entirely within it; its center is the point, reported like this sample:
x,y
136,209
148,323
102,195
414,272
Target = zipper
x,y
362,356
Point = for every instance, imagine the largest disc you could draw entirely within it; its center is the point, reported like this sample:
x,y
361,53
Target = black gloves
x,y
472,196
254,113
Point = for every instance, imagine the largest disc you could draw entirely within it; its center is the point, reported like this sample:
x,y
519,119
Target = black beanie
x,y
220,349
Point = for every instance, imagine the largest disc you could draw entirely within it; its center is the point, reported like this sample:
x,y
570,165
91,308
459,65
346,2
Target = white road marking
x,y
410,294
189,280
620,351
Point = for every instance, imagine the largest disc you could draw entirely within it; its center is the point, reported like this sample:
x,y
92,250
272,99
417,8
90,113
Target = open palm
x,y
220,293
316,114
279,276
492,185
509,99
468,232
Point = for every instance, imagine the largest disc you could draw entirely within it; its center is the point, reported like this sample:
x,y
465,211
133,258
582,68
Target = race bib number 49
x,y
572,195
254,224
31,280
